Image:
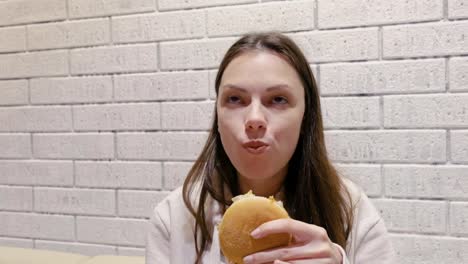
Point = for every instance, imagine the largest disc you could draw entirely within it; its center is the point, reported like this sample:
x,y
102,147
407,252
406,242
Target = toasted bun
x,y
241,218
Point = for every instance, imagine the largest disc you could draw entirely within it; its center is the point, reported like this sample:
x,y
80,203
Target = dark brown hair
x,y
313,191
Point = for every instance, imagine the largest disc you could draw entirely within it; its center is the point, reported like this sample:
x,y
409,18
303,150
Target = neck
x,y
262,187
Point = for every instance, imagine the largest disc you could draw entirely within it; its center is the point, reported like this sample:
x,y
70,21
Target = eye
x,y
233,99
280,100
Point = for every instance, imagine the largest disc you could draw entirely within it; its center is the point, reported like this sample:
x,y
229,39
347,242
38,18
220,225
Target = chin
x,y
257,172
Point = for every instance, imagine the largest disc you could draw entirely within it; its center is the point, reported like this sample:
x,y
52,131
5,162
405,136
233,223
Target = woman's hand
x,y
311,244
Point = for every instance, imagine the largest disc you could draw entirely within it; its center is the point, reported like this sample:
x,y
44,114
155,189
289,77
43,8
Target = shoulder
x,y
173,208
162,212
363,209
173,200
369,237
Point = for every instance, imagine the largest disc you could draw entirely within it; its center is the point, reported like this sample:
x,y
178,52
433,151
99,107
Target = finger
x,y
280,262
285,254
309,261
299,230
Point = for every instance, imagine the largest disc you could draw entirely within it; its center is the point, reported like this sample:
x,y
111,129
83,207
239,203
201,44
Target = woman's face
x,y
260,107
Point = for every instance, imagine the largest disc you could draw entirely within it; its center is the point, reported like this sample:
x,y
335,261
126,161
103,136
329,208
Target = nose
x,y
255,122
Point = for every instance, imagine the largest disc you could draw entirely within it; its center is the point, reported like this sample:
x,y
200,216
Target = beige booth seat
x,y
13,255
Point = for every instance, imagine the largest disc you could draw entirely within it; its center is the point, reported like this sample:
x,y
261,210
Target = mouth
x,y
256,146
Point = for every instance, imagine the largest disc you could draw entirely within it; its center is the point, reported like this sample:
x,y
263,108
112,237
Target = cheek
x,y
230,122
290,129
227,130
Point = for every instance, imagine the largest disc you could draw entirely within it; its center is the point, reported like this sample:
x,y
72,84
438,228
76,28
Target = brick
x,y
459,146
24,11
74,146
118,231
16,198
338,45
410,76
424,181
54,118
36,173
117,59
184,4
459,218
15,146
31,225
13,92
314,69
432,39
458,73
175,174
71,90
368,177
74,201
117,117
81,33
91,8
212,84
77,248
387,146
160,146
135,175
12,38
457,9
161,86
16,242
187,115
354,112
282,16
34,64
332,14
452,111
413,216
126,251
157,27
138,203
193,54
412,249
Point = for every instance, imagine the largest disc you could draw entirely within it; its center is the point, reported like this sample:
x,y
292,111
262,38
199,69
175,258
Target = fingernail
x,y
256,233
248,260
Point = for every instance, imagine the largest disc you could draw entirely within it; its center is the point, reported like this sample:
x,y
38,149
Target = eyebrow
x,y
269,89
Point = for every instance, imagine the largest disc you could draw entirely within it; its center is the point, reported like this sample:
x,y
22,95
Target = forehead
x,y
259,70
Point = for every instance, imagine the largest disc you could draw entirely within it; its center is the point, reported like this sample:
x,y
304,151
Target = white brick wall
x,y
13,39
283,16
71,90
71,201
365,13
14,92
36,172
430,249
25,11
69,34
34,64
104,106
165,26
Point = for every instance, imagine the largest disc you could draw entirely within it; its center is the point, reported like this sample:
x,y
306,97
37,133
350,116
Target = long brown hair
x,y
313,190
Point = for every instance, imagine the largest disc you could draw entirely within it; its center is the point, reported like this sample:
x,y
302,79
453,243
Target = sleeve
x,y
157,241
375,245
343,254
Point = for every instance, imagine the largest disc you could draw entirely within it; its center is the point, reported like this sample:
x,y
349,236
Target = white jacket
x,y
170,233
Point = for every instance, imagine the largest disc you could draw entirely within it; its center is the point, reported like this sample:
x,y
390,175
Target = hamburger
x,y
246,213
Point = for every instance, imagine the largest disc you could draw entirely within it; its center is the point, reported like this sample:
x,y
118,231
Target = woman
x,y
267,136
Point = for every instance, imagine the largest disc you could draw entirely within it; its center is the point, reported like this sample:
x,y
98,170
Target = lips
x,y
255,146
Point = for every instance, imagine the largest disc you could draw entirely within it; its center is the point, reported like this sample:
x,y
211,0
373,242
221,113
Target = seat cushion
x,y
115,260
14,255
